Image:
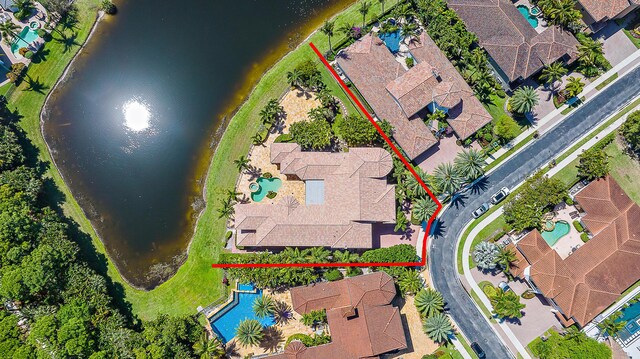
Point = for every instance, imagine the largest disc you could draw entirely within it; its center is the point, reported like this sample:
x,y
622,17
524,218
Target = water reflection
x,y
137,116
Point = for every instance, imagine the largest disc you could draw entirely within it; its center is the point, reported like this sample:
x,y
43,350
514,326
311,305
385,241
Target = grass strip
x,y
604,83
499,160
466,346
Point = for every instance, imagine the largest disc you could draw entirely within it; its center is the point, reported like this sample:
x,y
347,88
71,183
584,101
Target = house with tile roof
x,y
346,193
516,50
402,96
362,321
588,281
599,11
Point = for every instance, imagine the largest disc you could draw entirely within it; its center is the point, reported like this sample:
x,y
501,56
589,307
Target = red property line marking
x,y
404,161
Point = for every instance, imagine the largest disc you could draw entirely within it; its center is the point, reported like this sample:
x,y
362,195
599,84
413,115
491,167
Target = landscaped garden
x,y
574,344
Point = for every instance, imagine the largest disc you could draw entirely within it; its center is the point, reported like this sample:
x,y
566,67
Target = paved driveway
x,y
617,45
442,248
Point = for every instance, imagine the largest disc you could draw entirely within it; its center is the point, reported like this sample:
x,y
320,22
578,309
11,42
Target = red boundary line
x,y
406,163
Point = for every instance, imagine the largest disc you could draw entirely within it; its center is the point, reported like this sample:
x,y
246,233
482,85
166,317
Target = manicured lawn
x,y
633,39
625,170
195,283
569,174
448,351
496,107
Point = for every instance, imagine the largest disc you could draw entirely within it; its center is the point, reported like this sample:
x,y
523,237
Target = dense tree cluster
x,y
594,163
538,194
630,131
575,344
53,303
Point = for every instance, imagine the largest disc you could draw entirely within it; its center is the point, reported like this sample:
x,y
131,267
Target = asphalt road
x,y
442,248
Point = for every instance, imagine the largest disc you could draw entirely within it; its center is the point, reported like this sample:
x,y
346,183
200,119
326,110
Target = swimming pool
x,y
266,185
392,40
561,229
631,330
24,39
524,10
225,322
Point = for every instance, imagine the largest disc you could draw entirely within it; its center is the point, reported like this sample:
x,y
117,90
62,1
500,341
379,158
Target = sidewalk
x,y
555,117
498,327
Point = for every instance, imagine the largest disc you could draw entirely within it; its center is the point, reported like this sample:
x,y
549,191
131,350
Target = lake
x,y
134,125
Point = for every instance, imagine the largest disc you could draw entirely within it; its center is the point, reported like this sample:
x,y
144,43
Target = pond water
x,y
134,125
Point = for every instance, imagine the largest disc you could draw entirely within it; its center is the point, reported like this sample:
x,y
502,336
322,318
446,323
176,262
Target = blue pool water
x,y
225,322
266,185
26,37
631,315
392,40
524,10
246,287
561,229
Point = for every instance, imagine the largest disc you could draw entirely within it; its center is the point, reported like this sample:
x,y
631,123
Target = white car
x,y
481,210
500,195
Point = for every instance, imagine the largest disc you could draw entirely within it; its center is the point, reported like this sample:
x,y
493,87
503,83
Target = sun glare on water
x,y
137,116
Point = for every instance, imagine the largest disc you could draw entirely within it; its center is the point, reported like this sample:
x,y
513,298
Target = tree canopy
x,y
630,131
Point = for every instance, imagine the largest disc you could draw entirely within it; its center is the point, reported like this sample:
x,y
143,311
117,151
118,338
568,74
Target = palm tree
x,y
447,178
327,29
294,77
576,334
382,5
409,282
438,328
470,164
505,258
364,10
24,9
9,31
424,208
552,73
611,326
347,29
242,163
264,306
294,255
524,99
429,302
282,312
410,32
563,13
318,255
414,186
507,304
345,257
226,208
249,332
208,349
574,86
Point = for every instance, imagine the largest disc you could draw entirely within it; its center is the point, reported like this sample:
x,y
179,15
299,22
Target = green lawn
x,y
625,170
607,81
486,233
195,283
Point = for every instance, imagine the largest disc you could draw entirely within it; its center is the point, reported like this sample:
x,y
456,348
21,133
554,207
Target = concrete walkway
x,y
555,117
493,216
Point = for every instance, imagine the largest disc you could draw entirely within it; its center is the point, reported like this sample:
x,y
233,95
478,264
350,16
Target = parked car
x,y
504,286
481,210
479,352
500,195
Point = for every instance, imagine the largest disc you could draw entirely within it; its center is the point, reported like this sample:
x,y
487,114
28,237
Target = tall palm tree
x,y
294,77
409,282
574,86
249,332
365,6
447,178
242,163
505,258
282,312
382,5
563,13
264,306
424,208
9,31
470,164
327,29
414,186
552,73
524,99
429,302
205,348
347,29
226,208
438,327
409,32
611,326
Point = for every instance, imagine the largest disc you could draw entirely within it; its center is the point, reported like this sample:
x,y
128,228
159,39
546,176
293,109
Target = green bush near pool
x,y
584,237
578,226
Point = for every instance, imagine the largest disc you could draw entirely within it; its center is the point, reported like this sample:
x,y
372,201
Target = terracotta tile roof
x,y
356,194
362,321
397,95
592,278
509,39
606,9
517,268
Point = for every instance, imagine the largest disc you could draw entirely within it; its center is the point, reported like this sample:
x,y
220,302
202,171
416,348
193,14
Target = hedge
x,y
333,275
578,226
584,237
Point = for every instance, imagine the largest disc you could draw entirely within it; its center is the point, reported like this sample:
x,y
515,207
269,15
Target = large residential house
x,y
596,12
362,321
402,96
588,281
345,194
516,50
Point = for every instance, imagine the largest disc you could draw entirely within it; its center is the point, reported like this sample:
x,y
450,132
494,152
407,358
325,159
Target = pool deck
x,y
39,15
542,23
567,244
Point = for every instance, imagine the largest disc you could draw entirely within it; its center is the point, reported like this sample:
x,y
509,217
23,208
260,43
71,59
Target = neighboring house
x,y
345,194
9,5
599,11
402,96
592,278
362,321
517,51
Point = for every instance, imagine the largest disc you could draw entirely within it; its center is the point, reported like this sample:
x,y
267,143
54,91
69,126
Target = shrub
x,y
16,73
28,54
301,337
630,131
409,61
489,290
284,138
578,226
584,236
314,317
485,255
594,163
506,129
353,271
271,194
228,235
528,294
315,134
333,275
568,201
356,131
108,7
267,175
22,51
42,33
